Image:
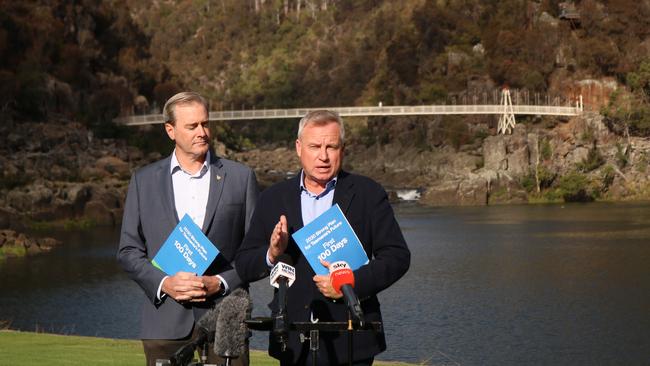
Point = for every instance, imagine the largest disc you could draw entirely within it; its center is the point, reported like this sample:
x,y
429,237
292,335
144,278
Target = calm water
x,y
516,285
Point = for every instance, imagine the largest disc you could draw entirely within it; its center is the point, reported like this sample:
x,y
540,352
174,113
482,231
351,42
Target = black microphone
x,y
282,277
231,331
205,326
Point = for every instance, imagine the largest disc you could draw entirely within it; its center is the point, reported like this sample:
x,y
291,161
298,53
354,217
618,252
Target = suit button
x,y
306,306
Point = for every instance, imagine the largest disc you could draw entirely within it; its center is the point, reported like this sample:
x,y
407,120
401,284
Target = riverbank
x,y
27,348
14,244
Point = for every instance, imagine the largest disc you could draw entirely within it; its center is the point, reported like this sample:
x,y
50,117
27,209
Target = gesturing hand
x,y
279,239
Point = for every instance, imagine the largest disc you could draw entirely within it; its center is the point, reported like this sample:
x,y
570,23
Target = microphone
x,y
342,279
231,331
282,277
205,326
283,270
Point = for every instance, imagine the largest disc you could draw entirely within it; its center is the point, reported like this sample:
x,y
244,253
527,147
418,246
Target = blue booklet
x,y
186,249
330,238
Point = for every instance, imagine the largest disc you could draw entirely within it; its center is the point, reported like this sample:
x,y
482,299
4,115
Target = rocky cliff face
x,y
544,160
58,171
511,168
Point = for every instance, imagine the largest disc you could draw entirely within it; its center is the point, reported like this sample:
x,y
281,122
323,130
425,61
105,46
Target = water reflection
x,y
488,285
514,285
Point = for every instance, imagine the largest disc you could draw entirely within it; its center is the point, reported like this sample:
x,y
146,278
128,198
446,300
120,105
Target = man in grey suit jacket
x,y
218,194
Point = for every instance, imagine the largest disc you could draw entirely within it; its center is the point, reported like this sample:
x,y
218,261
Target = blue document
x,y
186,249
330,238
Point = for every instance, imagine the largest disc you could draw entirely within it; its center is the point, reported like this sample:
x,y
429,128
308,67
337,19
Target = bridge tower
x,y
507,119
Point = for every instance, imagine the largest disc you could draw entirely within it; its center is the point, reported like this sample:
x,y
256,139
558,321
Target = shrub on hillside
x,y
593,161
573,187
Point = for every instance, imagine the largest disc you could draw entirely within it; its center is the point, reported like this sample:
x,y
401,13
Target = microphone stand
x,y
350,329
348,326
204,353
313,345
314,329
183,356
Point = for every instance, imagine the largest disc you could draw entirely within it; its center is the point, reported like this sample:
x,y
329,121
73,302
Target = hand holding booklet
x,y
330,238
186,249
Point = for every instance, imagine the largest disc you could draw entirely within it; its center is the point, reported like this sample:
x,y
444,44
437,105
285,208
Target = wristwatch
x,y
222,288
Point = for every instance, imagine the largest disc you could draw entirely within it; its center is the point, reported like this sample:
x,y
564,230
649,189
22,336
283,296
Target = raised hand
x,y
279,239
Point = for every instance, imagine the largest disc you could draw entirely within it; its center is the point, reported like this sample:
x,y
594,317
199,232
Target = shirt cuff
x,y
224,284
268,260
159,294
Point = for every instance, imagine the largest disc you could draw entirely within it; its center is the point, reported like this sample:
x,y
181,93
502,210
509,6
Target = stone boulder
x,y
519,162
271,165
441,194
506,190
30,198
494,153
47,201
463,192
15,244
99,213
114,166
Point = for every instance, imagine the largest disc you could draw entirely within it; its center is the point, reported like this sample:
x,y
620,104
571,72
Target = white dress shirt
x,y
191,192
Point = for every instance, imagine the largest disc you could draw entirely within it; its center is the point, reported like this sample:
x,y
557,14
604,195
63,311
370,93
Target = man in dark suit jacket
x,y
218,194
287,206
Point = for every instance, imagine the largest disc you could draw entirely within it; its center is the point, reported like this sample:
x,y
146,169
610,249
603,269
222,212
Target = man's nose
x,y
322,153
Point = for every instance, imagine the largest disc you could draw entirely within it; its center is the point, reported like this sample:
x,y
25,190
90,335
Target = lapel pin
x,y
218,177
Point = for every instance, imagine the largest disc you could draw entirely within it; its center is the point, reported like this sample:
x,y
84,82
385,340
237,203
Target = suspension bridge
x,y
505,109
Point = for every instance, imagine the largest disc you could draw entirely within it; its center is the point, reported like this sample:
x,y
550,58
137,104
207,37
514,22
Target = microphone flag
x,y
341,274
282,270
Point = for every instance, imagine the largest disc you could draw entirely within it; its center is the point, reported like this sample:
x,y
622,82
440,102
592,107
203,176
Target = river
x,y
498,285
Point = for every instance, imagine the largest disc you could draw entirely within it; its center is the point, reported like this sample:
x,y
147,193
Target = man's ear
x,y
169,128
298,146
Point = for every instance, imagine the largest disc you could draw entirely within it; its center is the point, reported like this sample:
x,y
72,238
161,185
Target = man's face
x,y
190,131
321,153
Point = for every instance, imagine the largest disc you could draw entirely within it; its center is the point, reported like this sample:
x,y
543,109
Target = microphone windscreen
x,y
231,331
209,320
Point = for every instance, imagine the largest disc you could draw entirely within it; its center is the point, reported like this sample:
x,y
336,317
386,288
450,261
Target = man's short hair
x,y
181,98
321,117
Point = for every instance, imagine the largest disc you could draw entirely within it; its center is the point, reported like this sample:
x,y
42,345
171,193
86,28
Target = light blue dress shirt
x,y
313,205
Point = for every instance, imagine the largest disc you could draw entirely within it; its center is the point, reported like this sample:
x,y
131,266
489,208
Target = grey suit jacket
x,y
149,218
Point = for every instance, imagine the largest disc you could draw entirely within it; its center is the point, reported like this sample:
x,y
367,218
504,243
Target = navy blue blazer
x,y
365,204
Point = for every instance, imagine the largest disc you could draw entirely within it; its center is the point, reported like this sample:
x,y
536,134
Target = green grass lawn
x,y
42,349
